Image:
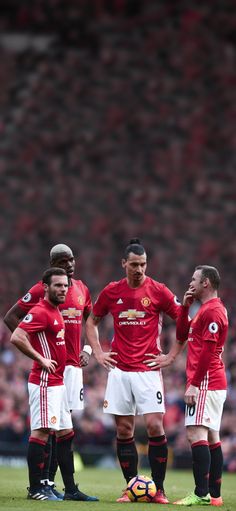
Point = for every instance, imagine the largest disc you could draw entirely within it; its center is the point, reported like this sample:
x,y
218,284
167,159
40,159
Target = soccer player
x,y
134,385
77,306
206,383
40,336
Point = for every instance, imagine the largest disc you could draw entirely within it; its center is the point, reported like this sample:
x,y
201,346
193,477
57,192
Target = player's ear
x,y
123,262
45,287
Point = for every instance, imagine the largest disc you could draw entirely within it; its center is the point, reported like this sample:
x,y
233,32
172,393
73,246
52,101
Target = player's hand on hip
x,y
106,359
156,361
190,396
49,365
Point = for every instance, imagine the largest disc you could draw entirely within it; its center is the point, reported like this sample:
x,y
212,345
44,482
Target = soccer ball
x,y
141,489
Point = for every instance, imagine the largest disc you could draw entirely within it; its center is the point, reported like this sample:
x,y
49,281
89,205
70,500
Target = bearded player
x,y
76,307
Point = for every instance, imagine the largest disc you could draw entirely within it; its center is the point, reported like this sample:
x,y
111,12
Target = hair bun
x,y
135,241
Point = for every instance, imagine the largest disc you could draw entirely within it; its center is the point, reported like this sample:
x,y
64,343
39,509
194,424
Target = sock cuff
x,y
157,440
214,446
65,437
199,443
34,440
125,440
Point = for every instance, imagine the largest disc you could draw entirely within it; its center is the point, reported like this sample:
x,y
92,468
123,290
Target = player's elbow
x,y
16,336
11,320
7,320
90,323
13,339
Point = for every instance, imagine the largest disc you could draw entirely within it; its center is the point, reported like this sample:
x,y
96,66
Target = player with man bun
x,y
137,303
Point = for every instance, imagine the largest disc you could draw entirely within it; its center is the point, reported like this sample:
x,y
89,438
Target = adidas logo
x,y
119,301
56,322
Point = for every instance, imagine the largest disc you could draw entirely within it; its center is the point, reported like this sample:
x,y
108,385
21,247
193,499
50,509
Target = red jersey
x,y
137,315
45,326
209,324
77,303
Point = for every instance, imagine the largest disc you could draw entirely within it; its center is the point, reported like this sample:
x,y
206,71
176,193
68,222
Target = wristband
x,y
87,349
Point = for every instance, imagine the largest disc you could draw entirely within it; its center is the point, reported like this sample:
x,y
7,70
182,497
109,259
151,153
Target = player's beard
x,y
56,299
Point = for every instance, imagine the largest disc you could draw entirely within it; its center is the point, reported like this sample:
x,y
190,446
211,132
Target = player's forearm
x,y
183,324
176,349
13,317
11,320
161,361
206,355
92,336
20,339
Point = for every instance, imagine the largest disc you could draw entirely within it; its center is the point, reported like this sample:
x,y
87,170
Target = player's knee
x,y
41,434
155,430
196,434
154,425
125,429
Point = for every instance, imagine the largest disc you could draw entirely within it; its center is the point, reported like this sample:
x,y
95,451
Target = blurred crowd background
x,y
117,119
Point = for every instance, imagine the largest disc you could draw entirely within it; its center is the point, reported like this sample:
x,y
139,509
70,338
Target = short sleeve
x,y
34,321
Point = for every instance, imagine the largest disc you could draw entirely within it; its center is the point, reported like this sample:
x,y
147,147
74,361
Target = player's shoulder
x,y
115,284
38,286
42,304
35,311
215,308
161,292
35,292
112,288
40,313
77,283
155,284
215,305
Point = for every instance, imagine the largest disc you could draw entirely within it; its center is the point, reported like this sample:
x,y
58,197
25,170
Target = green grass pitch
x,y
107,485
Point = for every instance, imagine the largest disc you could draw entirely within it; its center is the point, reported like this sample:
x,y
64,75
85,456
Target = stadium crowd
x,y
119,125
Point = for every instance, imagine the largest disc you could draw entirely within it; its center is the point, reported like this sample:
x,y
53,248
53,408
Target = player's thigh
x,y
148,391
207,411
45,406
65,415
119,399
73,379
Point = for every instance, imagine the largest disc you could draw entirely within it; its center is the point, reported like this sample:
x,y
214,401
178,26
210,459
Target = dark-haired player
x,y
75,309
134,385
206,383
40,336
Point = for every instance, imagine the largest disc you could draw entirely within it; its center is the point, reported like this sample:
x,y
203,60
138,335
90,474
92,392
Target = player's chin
x,y
138,277
61,298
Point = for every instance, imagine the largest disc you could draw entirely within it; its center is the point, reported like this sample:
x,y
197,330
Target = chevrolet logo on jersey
x,y
71,312
132,314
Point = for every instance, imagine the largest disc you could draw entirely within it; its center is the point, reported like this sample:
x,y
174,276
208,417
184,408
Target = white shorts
x,y
73,379
49,407
131,393
208,409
